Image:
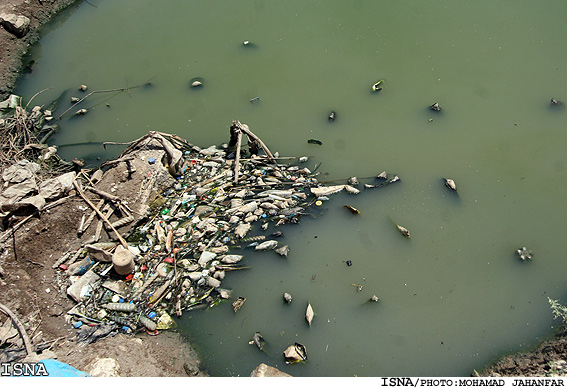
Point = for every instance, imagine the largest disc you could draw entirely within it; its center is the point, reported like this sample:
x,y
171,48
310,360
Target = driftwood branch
x,y
236,130
102,216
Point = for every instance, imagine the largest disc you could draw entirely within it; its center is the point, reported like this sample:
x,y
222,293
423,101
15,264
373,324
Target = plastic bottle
x,y
81,267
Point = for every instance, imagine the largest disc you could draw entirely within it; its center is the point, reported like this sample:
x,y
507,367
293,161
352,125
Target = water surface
x,y
454,296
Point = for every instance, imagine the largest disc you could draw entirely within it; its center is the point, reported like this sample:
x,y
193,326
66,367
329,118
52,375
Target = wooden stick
x,y
94,92
120,238
91,217
100,223
104,194
237,160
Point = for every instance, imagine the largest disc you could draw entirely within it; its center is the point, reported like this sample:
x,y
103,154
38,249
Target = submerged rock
x,y
264,370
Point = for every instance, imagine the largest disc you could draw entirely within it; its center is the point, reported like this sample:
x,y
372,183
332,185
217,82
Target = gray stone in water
x,y
264,370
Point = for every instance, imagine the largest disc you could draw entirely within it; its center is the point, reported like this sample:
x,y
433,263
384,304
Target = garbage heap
x,y
175,258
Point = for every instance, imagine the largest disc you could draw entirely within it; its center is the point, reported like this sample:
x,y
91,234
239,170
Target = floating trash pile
x,y
176,258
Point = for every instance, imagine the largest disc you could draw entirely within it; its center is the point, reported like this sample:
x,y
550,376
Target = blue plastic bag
x,y
60,369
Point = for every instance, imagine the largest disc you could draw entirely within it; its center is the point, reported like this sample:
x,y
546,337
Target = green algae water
x,y
454,296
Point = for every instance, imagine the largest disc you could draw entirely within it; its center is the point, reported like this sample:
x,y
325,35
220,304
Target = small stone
x,y
17,25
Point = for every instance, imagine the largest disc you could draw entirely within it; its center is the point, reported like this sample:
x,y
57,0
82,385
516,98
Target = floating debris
x,y
287,297
385,179
353,181
353,210
351,190
309,314
358,287
295,353
524,254
323,191
436,107
196,82
332,116
258,340
266,245
403,231
283,251
451,185
376,87
314,141
176,257
237,304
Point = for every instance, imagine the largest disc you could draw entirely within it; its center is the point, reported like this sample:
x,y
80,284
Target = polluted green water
x,y
454,296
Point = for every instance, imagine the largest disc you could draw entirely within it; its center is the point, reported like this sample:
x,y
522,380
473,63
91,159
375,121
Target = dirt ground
x,y
29,285
12,48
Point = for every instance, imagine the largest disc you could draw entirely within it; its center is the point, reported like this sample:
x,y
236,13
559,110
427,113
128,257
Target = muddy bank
x,y
32,288
13,44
